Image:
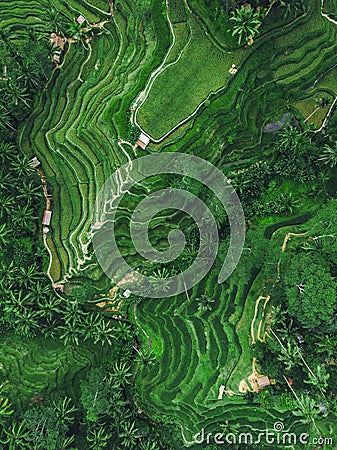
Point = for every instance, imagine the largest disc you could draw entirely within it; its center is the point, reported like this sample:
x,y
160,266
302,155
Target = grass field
x,y
178,90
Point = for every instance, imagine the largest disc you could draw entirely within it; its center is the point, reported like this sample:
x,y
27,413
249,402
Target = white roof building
x,y
46,219
143,140
34,163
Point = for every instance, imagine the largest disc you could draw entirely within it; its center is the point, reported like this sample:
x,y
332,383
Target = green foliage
x,y
246,23
94,395
310,290
133,133
44,427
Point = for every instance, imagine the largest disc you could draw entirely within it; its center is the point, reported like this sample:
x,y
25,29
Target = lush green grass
x,y
180,88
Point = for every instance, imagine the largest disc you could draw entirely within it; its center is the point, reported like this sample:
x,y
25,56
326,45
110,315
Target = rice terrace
x,y
227,100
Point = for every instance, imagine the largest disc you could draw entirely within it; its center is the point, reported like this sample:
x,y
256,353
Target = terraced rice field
x,y
34,366
78,132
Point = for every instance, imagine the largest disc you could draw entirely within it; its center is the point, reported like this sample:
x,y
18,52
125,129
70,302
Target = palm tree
x,y
246,23
292,6
292,138
30,192
28,275
329,155
7,151
91,323
287,202
6,180
290,355
98,438
65,411
23,218
66,442
6,409
53,22
145,356
128,434
21,166
149,444
123,330
16,436
103,333
7,273
6,119
5,235
6,204
70,334
77,32
205,302
121,373
26,323
16,93
160,281
39,289
73,313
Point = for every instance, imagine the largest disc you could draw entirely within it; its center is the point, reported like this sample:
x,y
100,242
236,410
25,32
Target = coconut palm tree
x,y
149,444
73,313
77,32
7,151
16,93
290,355
69,334
21,166
329,155
205,302
287,202
6,119
26,323
28,275
6,235
104,333
64,411
16,436
145,356
66,442
98,438
160,281
121,373
6,408
292,138
128,434
123,330
6,204
292,7
246,23
30,192
53,21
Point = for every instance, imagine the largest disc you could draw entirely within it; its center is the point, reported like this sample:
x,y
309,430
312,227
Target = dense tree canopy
x,y
310,290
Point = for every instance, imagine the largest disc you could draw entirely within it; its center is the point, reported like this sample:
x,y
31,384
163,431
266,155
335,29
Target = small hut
x,y
263,381
143,141
46,218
